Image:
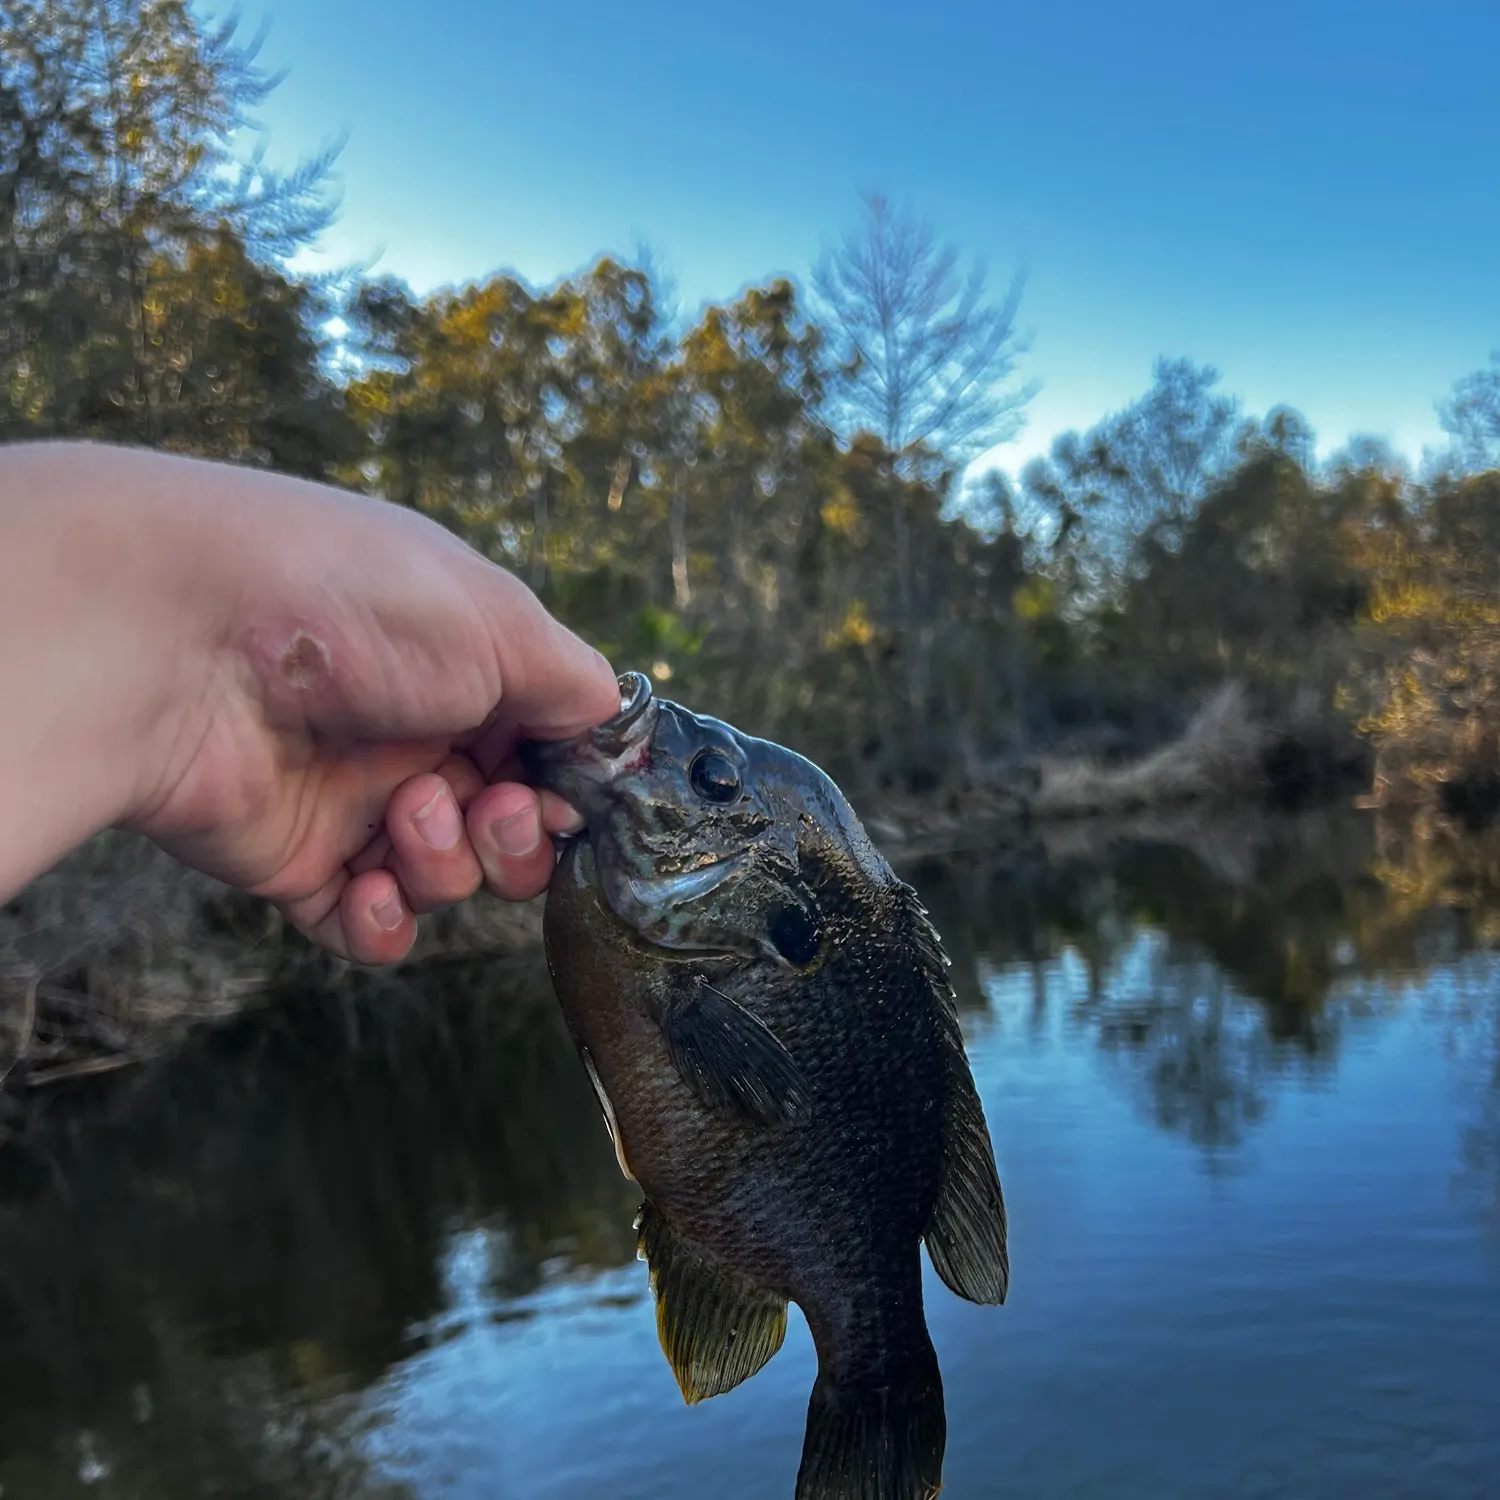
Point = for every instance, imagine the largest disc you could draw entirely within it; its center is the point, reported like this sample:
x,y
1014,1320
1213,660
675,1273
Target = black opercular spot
x,y
796,934
715,777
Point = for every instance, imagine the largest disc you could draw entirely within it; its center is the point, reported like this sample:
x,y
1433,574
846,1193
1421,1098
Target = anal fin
x,y
730,1059
716,1328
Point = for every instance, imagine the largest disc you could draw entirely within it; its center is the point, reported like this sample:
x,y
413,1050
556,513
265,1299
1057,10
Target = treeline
x,y
763,504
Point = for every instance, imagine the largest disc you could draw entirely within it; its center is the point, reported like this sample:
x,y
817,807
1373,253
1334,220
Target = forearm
x,y
99,644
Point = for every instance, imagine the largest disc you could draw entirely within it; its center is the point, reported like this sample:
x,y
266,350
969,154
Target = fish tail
x,y
875,1442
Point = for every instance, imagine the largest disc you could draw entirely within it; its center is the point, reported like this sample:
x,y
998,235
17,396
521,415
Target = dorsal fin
x,y
966,1236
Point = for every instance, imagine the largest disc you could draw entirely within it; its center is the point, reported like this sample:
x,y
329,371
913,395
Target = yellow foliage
x,y
854,630
1035,599
1434,712
840,513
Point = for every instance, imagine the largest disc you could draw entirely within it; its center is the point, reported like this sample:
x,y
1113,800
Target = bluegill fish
x,y
764,1012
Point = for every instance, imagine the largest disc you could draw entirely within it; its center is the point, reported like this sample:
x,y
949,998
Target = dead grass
x,y
113,955
1218,756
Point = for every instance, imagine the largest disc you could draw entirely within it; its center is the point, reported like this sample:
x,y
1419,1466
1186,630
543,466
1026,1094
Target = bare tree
x,y
924,358
1471,418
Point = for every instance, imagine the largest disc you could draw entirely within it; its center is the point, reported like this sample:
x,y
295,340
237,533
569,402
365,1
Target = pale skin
x,y
312,696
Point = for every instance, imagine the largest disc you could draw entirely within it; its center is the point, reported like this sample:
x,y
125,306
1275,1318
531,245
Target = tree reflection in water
x,y
203,1267
273,1209
1257,933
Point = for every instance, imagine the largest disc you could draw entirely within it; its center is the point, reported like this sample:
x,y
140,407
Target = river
x,y
1243,1080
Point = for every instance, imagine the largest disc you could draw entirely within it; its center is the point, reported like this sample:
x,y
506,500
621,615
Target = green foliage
x,y
683,502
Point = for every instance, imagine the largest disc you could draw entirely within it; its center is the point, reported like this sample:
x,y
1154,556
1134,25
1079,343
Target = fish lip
x,y
635,699
678,889
589,761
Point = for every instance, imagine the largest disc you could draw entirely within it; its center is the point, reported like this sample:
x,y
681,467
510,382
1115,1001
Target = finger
x,y
430,850
556,684
463,776
505,825
362,918
374,856
559,817
376,924
460,773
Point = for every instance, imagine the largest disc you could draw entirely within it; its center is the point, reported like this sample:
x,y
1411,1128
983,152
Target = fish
x,y
763,1010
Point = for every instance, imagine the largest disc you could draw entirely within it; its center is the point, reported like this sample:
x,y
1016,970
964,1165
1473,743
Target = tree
x,y
117,168
1138,477
921,360
1433,699
466,411
1471,417
923,357
240,375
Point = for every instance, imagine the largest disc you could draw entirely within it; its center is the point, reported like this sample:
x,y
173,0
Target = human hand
x,y
338,687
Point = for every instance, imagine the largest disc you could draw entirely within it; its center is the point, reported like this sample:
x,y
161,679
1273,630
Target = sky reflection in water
x,y
1247,1122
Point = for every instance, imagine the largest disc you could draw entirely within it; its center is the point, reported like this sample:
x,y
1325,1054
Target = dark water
x,y
1244,1082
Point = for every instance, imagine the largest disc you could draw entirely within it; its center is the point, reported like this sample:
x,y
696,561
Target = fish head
x,y
705,839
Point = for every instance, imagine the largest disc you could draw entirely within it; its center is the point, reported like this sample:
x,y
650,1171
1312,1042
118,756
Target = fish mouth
x,y
597,772
636,705
579,769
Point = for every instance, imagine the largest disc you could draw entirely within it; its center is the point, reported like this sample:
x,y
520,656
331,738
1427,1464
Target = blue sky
x,y
1306,195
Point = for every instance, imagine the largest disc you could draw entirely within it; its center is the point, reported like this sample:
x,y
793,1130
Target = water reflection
x,y
274,1209
366,1243
1278,911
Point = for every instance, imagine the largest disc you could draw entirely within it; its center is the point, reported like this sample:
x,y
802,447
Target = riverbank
x,y
115,955
112,958
1227,754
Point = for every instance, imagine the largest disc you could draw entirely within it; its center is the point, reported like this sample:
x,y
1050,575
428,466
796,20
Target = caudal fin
x,y
874,1442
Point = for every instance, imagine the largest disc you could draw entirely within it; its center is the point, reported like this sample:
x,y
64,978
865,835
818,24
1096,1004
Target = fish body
x,y
763,1009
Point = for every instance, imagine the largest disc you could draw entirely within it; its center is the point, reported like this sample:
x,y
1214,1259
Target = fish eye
x,y
715,777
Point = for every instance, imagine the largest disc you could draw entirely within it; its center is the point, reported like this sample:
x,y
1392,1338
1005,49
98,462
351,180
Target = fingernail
x,y
519,834
570,820
439,823
388,913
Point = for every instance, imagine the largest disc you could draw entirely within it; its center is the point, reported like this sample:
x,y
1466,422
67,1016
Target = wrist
x,y
105,644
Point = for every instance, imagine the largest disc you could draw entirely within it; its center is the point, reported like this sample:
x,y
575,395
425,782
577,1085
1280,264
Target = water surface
x,y
1244,1085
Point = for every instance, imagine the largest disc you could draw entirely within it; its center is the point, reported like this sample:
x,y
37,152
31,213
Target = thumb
x,y
553,684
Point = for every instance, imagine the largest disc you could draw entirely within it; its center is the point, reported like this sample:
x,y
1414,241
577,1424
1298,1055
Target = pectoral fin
x,y
716,1328
730,1059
